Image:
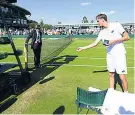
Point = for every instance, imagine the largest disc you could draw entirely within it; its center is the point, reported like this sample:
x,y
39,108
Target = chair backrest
x,y
90,98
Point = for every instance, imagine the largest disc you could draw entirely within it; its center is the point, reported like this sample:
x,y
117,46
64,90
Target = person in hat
x,y
36,36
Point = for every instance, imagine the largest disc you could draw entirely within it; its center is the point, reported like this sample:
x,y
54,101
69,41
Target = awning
x,y
15,7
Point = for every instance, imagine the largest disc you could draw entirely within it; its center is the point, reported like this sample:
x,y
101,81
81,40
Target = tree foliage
x,y
85,20
32,25
92,21
41,23
47,26
59,22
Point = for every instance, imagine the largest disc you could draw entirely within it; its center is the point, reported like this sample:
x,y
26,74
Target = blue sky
x,y
72,11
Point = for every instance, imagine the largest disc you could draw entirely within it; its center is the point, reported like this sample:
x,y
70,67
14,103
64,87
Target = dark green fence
x,y
63,36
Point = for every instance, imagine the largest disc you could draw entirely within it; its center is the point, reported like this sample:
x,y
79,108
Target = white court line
x,y
102,47
93,58
71,65
72,57
129,47
78,65
69,47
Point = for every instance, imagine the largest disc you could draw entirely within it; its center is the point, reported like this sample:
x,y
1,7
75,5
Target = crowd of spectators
x,y
130,30
60,31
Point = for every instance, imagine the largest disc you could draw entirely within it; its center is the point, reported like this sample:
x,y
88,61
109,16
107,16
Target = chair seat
x,y
88,106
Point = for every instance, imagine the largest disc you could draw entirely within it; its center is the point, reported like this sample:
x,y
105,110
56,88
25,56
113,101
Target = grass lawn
x,y
55,87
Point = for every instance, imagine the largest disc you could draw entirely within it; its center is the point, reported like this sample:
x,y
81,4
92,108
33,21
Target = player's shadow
x,y
118,81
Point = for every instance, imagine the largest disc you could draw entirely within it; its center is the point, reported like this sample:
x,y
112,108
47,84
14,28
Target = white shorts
x,y
117,63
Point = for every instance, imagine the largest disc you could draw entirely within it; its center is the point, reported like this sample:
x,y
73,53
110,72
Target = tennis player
x,y
113,35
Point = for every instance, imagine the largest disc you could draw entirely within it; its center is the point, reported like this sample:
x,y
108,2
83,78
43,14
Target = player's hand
x,y
112,42
80,49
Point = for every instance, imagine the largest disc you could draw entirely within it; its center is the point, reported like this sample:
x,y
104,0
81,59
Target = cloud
x,y
109,12
85,3
53,18
42,17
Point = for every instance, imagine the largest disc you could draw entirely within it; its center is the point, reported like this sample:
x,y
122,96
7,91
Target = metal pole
x,y
11,40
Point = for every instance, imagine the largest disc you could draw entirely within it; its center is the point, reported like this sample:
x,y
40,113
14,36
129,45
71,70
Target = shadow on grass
x,y
118,81
60,110
100,71
39,74
7,104
46,80
19,82
123,111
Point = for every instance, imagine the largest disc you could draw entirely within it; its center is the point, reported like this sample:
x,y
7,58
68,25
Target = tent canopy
x,y
15,7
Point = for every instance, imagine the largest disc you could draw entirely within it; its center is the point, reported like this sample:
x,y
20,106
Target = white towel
x,y
117,102
93,89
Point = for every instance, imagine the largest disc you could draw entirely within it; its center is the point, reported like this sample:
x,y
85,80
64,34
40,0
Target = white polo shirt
x,y
114,31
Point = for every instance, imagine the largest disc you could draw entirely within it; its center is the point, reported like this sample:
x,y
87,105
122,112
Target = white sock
x,y
125,91
111,89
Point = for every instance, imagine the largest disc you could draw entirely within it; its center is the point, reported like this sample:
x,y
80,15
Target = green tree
x,y
92,21
59,22
47,26
41,23
85,20
32,25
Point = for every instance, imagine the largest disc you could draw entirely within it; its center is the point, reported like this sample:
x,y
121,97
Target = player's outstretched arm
x,y
88,46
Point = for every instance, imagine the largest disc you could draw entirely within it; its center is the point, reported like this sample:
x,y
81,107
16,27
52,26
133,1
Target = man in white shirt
x,y
112,37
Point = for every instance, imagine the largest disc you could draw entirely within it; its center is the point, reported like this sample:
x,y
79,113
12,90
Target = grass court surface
x,y
54,90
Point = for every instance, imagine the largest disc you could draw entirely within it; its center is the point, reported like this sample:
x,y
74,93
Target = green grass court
x,y
55,87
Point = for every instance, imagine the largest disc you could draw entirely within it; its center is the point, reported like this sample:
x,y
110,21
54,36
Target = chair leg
x,y
78,109
87,111
98,112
